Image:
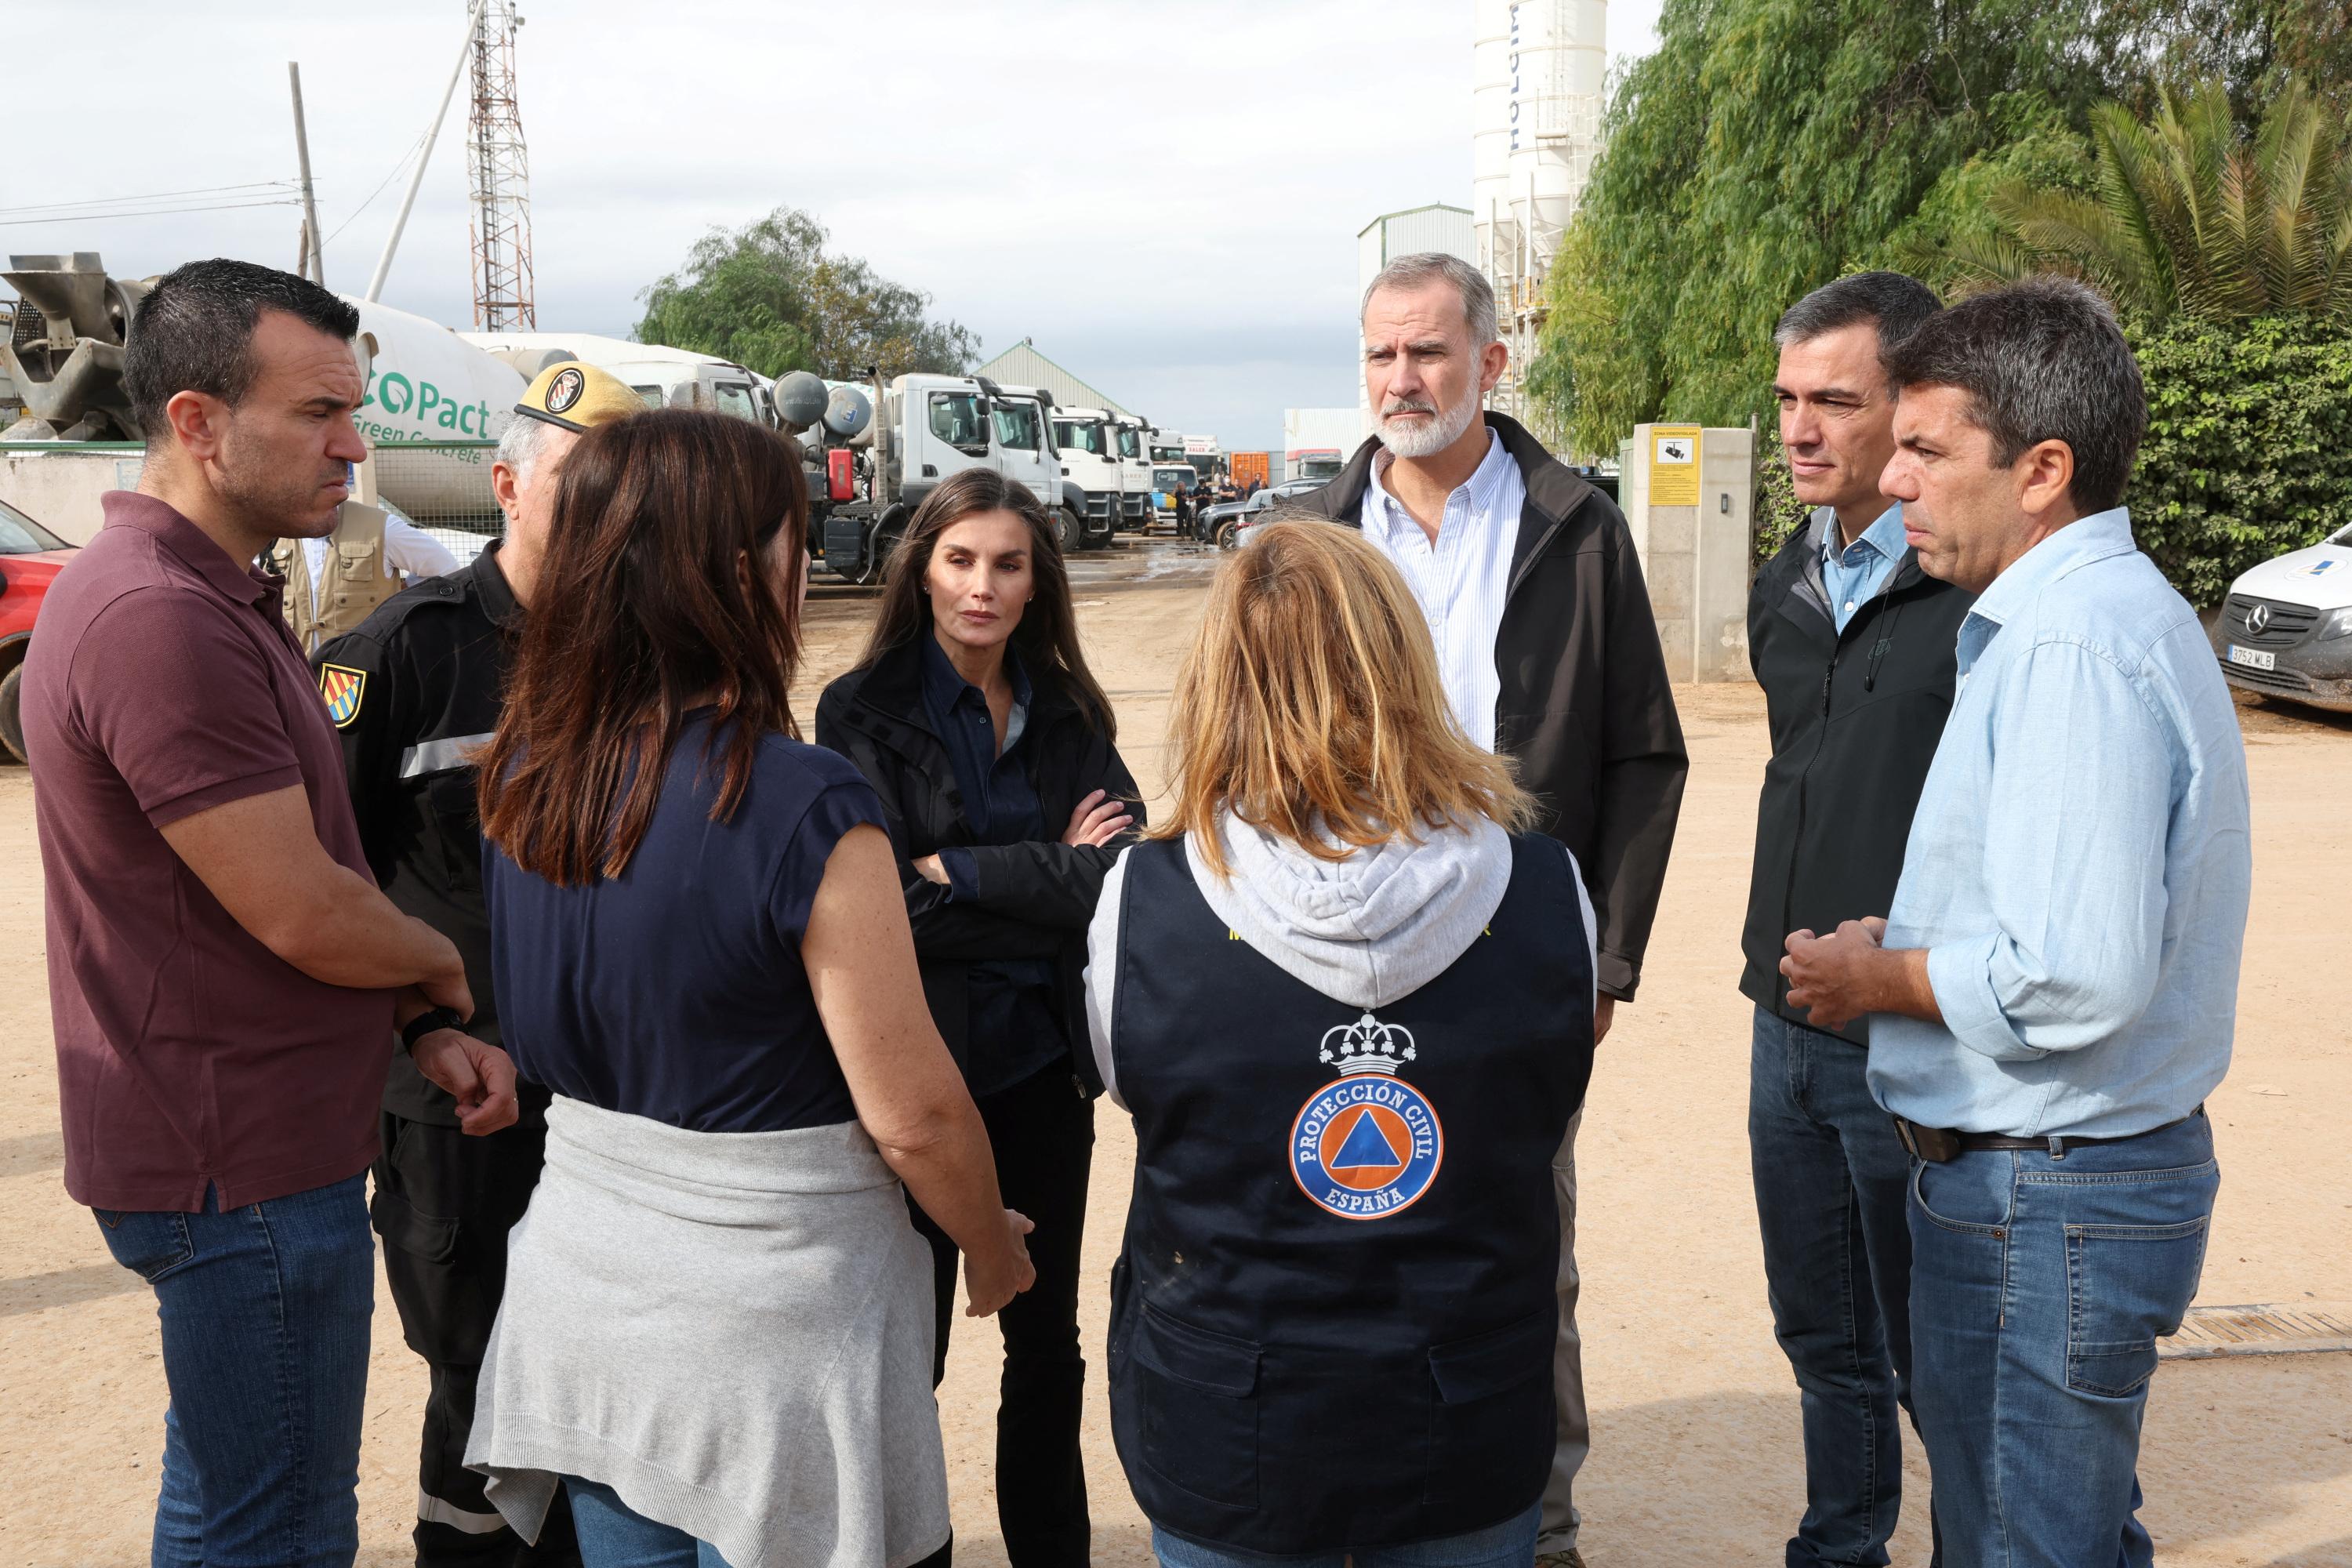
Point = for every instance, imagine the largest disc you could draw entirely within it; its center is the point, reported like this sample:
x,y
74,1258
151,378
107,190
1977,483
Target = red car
x,y
30,558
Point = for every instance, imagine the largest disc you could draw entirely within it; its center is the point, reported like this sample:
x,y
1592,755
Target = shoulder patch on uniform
x,y
342,687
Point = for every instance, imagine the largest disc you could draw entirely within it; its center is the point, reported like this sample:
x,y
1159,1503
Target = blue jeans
x,y
1831,1183
265,1322
2039,1287
1511,1544
615,1535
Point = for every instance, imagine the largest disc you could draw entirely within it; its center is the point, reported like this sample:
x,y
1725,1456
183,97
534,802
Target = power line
x,y
65,207
371,195
151,212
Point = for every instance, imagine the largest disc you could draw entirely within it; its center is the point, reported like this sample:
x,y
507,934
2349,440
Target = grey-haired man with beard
x,y
1549,654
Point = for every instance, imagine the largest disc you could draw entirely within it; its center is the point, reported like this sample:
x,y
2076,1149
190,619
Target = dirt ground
x,y
1695,1455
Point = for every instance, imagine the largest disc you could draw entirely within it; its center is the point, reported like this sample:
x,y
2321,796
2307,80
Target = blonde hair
x,y
1309,706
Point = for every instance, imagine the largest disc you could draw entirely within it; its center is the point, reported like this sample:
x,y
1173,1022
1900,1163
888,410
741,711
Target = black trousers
x,y
444,1204
1043,1135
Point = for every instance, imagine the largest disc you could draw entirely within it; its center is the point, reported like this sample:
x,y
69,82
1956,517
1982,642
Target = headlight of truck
x,y
2337,625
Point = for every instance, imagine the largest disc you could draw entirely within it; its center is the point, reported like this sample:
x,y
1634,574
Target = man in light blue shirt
x,y
2054,992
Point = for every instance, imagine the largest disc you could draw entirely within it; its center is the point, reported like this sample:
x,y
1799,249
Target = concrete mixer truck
x,y
874,452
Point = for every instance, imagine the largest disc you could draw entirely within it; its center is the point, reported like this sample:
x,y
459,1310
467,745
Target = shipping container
x,y
1247,466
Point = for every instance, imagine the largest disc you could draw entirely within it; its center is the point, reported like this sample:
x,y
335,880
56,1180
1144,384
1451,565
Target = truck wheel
x,y
12,712
1069,530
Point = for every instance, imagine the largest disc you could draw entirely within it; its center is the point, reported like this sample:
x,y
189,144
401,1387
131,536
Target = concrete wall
x,y
1695,559
59,491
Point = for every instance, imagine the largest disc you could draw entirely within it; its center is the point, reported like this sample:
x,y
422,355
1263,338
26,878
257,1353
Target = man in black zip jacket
x,y
1549,655
1854,647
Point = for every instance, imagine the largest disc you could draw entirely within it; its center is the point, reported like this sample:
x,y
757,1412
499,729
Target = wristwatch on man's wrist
x,y
425,1023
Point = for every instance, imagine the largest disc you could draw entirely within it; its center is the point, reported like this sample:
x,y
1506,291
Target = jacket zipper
x,y
1821,741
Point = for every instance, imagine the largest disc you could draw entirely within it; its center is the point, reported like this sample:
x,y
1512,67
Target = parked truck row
x,y
872,451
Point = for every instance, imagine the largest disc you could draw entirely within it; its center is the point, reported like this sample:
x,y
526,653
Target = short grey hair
x,y
522,446
2039,361
1426,266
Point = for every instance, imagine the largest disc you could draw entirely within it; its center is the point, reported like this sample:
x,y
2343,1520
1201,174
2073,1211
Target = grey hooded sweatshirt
x,y
1364,931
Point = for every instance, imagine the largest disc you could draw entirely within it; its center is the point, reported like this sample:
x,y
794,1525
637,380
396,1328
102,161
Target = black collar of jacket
x,y
1554,490
885,700
1794,573
490,579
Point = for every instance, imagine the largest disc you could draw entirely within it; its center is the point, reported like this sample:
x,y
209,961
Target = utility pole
x,y
503,293
315,261
416,175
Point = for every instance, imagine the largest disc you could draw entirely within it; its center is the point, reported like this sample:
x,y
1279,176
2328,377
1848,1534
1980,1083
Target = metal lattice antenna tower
x,y
503,296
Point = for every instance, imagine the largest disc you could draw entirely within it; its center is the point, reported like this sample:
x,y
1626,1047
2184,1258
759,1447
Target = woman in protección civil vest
x,y
1350,1006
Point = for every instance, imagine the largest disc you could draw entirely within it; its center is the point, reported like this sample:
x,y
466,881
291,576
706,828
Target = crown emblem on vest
x,y
1367,1046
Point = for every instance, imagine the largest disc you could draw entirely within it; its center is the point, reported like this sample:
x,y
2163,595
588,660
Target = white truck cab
x,y
1023,418
926,428
665,377
1088,444
1135,471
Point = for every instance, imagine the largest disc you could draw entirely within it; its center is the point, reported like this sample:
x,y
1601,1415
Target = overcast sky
x,y
1165,196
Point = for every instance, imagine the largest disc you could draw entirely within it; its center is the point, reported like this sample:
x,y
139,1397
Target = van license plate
x,y
2252,658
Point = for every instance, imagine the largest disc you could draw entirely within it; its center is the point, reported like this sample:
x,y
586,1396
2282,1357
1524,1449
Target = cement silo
x,y
1536,101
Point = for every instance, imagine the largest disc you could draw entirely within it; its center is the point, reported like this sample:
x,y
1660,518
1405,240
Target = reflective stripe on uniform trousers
x,y
431,1510
437,756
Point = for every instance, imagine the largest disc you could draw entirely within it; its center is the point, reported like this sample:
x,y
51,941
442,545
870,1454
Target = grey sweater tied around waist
x,y
732,1331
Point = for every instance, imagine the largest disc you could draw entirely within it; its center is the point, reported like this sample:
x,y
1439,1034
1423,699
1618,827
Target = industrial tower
x,y
1537,98
503,299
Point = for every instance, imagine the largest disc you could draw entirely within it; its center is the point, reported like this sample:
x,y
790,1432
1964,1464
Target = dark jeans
x,y
265,1322
444,1204
1830,1180
2040,1286
1043,1135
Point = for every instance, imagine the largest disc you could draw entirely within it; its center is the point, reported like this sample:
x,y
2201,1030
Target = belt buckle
x,y
1936,1145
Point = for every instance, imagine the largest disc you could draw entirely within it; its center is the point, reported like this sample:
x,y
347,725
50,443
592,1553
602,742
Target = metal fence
x,y
444,487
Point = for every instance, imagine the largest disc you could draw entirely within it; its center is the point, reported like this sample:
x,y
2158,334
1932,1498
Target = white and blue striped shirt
x,y
1461,581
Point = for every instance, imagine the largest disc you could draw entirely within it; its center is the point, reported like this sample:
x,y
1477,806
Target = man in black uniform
x,y
429,665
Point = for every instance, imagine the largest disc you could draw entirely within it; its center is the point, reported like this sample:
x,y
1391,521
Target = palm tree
x,y
2189,216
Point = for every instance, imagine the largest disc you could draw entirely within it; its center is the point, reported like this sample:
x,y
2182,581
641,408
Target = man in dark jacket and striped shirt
x,y
1548,651
1854,647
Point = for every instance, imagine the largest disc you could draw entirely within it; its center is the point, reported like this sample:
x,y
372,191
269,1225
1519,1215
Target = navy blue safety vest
x,y
1332,1320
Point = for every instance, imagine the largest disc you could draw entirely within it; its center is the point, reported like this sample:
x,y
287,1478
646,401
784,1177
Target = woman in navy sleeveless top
x,y
1350,1009
716,1332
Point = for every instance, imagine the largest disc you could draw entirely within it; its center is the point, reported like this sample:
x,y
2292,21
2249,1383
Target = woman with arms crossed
x,y
717,1321
975,719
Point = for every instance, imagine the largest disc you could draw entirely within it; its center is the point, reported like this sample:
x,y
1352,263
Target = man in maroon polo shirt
x,y
225,983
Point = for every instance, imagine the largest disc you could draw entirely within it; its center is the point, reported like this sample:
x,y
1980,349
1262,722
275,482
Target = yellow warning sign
x,y
1674,465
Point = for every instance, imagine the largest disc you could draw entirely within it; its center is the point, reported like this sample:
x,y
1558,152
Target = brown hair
x,y
655,597
1310,706
1047,636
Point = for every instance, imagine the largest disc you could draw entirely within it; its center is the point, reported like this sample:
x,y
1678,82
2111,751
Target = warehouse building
x,y
1023,365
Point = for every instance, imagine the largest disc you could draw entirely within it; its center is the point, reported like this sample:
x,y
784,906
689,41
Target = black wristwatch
x,y
424,1023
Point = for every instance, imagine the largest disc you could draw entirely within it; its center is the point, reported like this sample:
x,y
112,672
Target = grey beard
x,y
1430,439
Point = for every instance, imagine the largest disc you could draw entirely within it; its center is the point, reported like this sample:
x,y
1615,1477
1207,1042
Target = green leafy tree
x,y
2249,445
769,296
1767,146
2189,215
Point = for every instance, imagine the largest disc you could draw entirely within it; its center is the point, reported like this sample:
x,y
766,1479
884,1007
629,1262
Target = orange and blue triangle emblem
x,y
342,688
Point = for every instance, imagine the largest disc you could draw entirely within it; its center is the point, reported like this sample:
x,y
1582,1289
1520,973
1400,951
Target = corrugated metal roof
x,y
1023,365
1408,212
1437,226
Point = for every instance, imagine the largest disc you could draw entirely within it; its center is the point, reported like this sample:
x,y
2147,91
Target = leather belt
x,y
1938,1145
